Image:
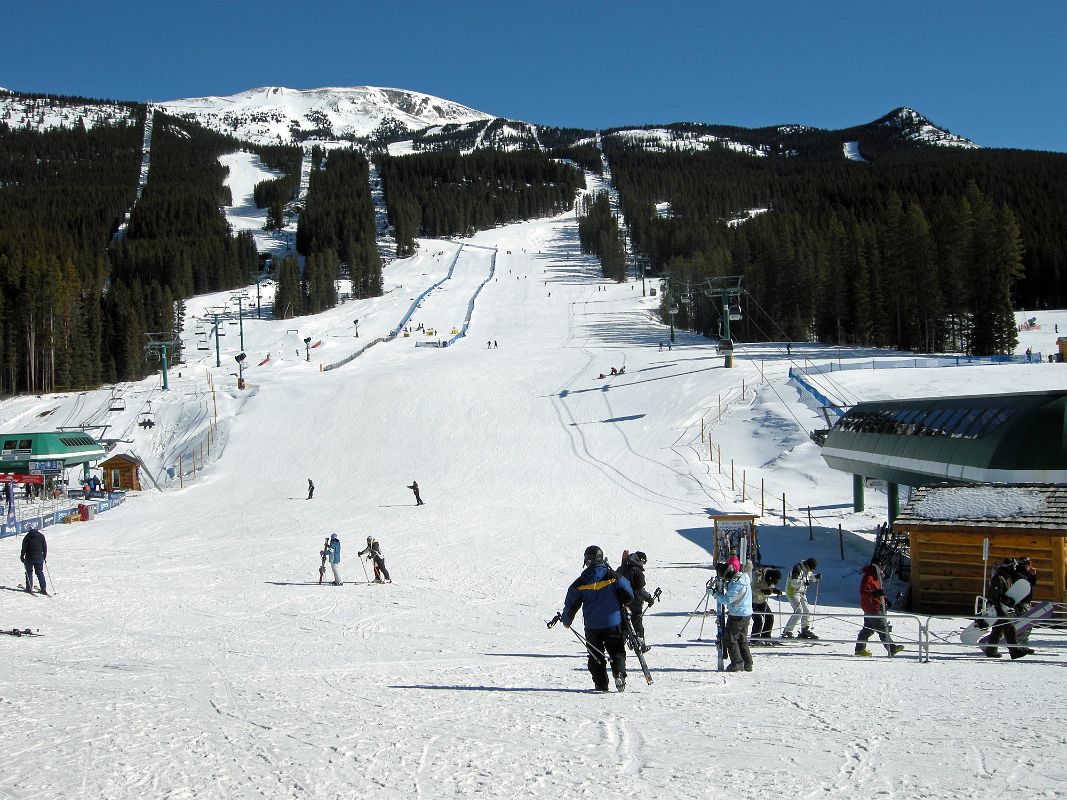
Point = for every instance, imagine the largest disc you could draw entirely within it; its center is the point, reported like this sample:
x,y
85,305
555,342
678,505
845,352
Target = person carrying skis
x,y
34,554
332,553
736,594
633,569
415,488
764,583
601,593
311,488
1002,597
874,605
800,578
373,552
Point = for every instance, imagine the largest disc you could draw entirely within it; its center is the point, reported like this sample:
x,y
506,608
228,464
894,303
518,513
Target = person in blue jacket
x,y
736,595
334,556
601,593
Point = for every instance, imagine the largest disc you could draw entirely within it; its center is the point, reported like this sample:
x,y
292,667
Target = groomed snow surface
x,y
189,651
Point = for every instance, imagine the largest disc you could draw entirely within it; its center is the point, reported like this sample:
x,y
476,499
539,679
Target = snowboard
x,y
978,631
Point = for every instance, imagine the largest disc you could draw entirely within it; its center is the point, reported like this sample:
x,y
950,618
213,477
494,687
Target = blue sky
x,y
991,71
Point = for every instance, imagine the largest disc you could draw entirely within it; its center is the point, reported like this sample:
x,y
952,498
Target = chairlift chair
x,y
201,344
735,312
724,346
117,404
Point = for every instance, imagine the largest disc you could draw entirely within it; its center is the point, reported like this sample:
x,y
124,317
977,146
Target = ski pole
x,y
363,564
51,582
703,602
592,650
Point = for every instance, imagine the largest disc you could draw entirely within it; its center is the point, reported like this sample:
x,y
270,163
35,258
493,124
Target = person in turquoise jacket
x,y
335,558
736,595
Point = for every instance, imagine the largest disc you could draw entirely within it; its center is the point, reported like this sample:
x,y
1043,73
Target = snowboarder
x,y
311,488
800,578
736,594
874,605
601,593
34,554
415,488
332,554
633,569
373,552
764,583
1007,608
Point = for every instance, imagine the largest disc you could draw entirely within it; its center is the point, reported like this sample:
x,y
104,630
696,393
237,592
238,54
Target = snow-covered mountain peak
x,y
276,114
914,126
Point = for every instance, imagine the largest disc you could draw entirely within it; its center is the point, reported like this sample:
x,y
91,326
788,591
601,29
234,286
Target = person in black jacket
x,y
34,554
633,569
311,489
1008,608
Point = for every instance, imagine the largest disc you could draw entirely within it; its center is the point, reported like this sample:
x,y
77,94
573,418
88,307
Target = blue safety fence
x,y
45,519
470,305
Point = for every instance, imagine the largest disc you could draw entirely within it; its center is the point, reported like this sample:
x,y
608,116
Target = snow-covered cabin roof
x,y
1026,506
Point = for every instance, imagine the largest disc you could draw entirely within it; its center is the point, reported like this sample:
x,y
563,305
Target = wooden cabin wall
x,y
947,568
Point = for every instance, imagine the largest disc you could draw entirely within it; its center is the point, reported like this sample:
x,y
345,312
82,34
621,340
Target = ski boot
x,y
864,652
807,633
991,652
787,635
1019,652
620,683
895,649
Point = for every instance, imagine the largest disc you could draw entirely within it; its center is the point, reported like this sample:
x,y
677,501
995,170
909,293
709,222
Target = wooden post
x,y
181,478
731,475
841,540
744,486
720,408
702,429
719,459
783,508
762,497
742,388
711,450
811,533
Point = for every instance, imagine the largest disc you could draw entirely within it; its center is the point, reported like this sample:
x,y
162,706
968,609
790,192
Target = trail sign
x,y
49,467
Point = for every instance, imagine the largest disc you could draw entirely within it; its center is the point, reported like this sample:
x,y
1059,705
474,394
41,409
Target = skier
x,y
333,555
1007,608
801,577
736,594
311,488
633,569
601,593
34,554
764,583
874,605
373,551
415,488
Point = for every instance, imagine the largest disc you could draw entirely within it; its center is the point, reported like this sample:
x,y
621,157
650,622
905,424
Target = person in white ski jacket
x,y
801,577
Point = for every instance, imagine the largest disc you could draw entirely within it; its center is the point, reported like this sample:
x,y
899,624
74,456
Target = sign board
x,y
22,478
49,467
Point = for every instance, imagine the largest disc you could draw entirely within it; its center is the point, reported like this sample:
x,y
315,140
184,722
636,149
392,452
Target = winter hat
x,y
734,562
811,563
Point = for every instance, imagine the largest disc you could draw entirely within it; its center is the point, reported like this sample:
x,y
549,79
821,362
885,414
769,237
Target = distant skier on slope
x,y
601,593
333,555
311,488
373,551
415,488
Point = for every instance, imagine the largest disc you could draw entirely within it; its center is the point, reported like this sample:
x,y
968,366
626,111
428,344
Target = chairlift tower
x,y
240,298
157,344
729,289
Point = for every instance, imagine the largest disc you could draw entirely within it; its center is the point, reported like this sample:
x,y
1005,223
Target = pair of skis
x,y
632,641
20,632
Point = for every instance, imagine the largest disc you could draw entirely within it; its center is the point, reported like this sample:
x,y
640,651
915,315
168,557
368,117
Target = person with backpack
x,y
600,593
801,577
874,604
34,554
764,584
1009,594
332,553
633,569
735,593
373,552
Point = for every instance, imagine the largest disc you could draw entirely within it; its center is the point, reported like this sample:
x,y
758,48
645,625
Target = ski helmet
x,y
811,563
370,539
639,557
593,555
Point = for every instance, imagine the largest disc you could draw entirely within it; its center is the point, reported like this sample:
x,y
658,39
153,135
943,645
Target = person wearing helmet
x,y
736,595
600,593
373,552
764,583
801,577
874,604
633,569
